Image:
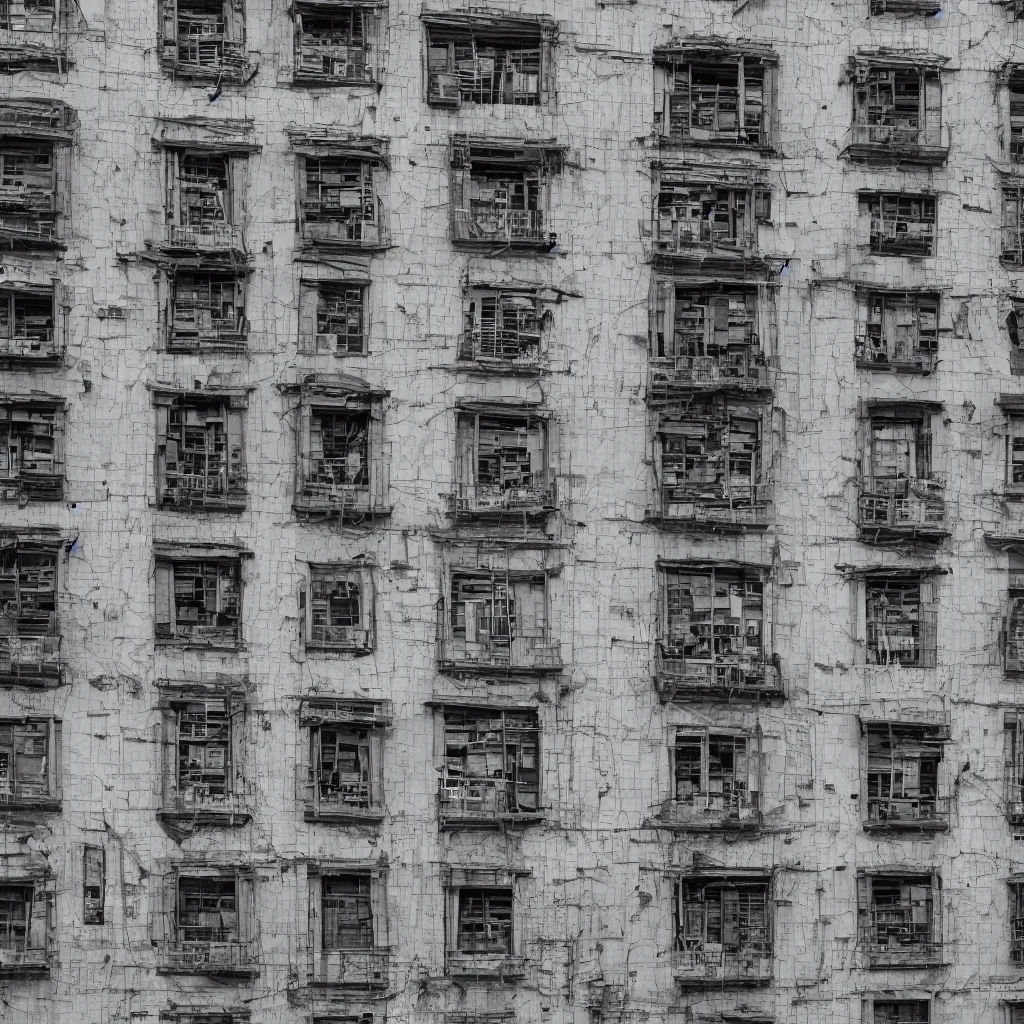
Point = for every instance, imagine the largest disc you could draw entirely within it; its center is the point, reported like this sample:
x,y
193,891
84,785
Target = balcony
x,y
707,373
323,224
712,966
711,812
492,501
40,347
531,652
28,796
197,805
510,351
485,965
892,354
907,815
482,803
322,489
28,216
350,803
204,55
216,958
216,236
728,678
508,228
918,513
928,146
16,962
713,506
895,955
31,660
352,968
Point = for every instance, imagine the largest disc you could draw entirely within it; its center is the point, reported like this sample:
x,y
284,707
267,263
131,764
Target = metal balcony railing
x,y
346,638
487,965
195,635
910,813
920,508
216,235
323,487
732,504
332,225
501,227
536,497
198,801
205,54
737,675
901,953
16,959
710,372
681,238
356,968
528,651
491,345
194,957
28,197
751,965
348,800
892,354
929,144
30,659
38,345
733,810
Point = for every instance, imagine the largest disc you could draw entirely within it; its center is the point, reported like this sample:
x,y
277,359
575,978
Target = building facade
x,y
489,501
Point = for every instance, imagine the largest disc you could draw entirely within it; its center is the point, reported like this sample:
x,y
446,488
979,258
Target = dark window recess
x,y
339,448
901,622
900,225
203,190
27,326
502,327
28,593
898,331
1015,453
1013,226
484,64
723,101
339,317
903,773
343,767
207,310
28,191
1013,628
340,612
207,910
200,452
347,912
198,602
332,44
485,921
723,918
1017,922
340,203
93,884
900,1011
492,763
31,450
897,916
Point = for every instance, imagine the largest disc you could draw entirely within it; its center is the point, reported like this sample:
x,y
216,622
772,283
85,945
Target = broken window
x,y
199,602
899,225
332,318
898,109
1013,225
488,61
341,466
29,630
901,615
333,43
900,489
484,921
501,326
341,201
709,96
499,619
200,451
500,193
708,335
897,331
28,319
30,763
31,449
713,463
502,464
93,884
714,776
899,1011
899,920
723,929
205,198
26,924
207,310
337,614
708,216
491,765
346,911
903,765
204,38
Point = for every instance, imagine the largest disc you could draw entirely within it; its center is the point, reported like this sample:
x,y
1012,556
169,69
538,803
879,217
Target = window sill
x,y
199,645
486,821
908,826
199,504
351,816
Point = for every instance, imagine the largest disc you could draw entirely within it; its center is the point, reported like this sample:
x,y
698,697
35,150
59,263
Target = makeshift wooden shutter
x,y
59,429
379,905
303,443
163,896
41,919
300,192
368,618
465,448
459,188
379,231
168,740
932,100
305,766
308,299
172,186
245,897
762,204
305,608
937,908
858,611
547,81
773,770
378,464
235,423
946,776
928,637
664,319
165,616
160,453
54,759
169,30
439,740
234,21
237,717
770,108
314,891
863,908
551,455
235,207
377,768
692,921
60,321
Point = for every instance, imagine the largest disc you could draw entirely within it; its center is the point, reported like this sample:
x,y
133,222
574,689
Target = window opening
x,y
94,871
485,921
903,773
207,910
900,225
347,912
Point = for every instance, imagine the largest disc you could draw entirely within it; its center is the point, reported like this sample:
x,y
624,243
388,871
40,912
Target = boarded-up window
x,y
28,15
207,910
28,592
897,106
210,37
1013,225
898,914
689,215
715,772
207,309
900,1011
28,182
338,611
341,200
